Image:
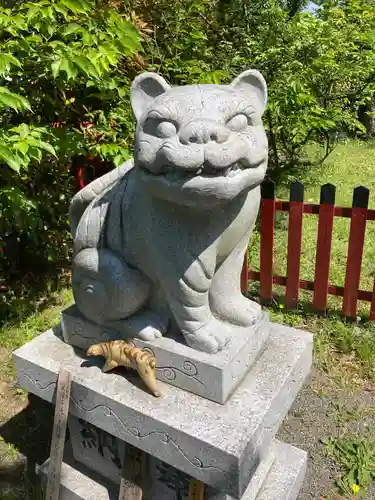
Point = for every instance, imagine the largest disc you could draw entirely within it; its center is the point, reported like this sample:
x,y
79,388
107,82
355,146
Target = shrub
x,y
65,69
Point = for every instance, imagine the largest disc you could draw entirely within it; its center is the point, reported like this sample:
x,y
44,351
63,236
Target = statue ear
x,y
252,82
144,89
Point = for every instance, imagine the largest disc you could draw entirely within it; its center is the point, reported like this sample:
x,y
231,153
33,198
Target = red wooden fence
x,y
326,211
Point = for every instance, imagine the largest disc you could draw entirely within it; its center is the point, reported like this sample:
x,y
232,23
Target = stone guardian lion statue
x,y
159,242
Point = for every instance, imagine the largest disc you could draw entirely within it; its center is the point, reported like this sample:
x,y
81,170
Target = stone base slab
x,y
212,376
282,482
99,451
220,445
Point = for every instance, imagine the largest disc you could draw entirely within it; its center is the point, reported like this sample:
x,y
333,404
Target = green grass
x,y
16,333
31,425
356,458
350,165
344,350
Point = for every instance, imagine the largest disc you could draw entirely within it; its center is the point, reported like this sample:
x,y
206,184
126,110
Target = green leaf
x,y
57,43
34,38
39,130
10,158
86,65
6,61
110,52
39,144
35,154
51,29
61,10
76,6
69,68
72,28
129,44
33,10
48,147
23,130
22,146
14,101
55,67
88,38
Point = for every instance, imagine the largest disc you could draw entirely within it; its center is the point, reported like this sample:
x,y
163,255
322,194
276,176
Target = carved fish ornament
x,y
121,353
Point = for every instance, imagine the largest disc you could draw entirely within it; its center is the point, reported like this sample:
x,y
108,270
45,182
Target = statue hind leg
x,y
226,300
108,292
105,288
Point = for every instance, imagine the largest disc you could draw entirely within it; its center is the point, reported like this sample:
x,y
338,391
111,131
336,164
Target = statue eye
x,y
165,129
238,123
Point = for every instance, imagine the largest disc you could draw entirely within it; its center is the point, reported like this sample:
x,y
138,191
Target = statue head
x,y
200,144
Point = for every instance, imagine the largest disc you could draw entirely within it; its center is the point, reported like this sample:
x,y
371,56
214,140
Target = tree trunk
x,y
366,115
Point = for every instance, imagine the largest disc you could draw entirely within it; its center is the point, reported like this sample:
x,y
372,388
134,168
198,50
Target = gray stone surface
x,y
99,451
96,449
255,484
159,244
213,376
281,483
221,445
286,476
78,482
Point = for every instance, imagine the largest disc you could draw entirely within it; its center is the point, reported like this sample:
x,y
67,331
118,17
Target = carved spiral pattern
x,y
150,351
190,368
169,373
107,411
195,461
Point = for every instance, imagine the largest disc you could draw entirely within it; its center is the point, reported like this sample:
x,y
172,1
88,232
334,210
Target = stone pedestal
x,y
212,376
281,479
230,447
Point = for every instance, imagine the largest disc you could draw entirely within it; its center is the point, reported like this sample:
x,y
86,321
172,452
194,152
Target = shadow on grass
x,y
23,295
29,432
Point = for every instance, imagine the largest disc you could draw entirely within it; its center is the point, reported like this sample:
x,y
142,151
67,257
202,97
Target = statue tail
x,y
84,197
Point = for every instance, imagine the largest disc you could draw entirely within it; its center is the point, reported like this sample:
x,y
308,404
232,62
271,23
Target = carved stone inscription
x,y
96,446
105,444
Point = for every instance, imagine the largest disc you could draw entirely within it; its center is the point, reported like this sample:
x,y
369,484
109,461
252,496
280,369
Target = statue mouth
x,y
205,170
209,170
207,184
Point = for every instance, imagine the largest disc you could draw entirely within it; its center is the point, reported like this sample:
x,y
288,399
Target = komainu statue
x,y
159,242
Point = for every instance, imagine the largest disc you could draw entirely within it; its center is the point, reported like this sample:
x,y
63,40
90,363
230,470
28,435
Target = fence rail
x,y
320,286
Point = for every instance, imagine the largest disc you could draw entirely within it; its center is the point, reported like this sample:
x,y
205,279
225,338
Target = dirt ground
x,y
322,410
25,430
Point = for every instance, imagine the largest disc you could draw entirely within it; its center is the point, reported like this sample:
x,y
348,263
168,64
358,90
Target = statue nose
x,y
203,131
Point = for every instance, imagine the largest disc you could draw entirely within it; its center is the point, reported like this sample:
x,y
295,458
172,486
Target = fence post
x,y
355,251
245,274
372,309
323,246
294,244
267,231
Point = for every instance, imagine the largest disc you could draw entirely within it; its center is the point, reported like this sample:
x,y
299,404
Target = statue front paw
x,y
149,333
146,325
241,311
210,338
